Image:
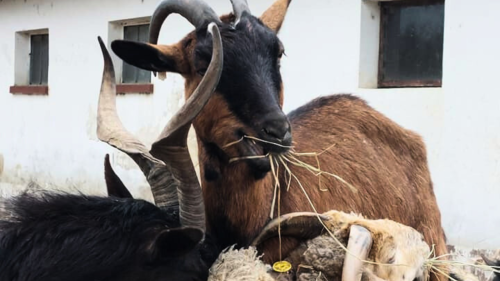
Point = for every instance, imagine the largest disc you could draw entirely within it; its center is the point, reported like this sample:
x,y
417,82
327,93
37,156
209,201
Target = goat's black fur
x,y
252,49
76,237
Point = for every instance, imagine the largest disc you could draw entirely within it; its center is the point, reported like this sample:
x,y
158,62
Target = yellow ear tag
x,y
282,266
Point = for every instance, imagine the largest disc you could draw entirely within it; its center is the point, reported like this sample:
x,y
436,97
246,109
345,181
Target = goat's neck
x,y
231,197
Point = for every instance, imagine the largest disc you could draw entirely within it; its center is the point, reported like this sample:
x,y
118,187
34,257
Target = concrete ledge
x,y
29,90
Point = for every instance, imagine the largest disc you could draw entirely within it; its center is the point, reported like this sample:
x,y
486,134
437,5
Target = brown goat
x,y
386,163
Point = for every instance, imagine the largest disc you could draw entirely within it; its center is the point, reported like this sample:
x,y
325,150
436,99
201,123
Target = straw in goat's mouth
x,y
291,157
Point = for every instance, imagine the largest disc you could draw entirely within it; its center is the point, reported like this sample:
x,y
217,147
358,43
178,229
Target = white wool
x,y
393,243
239,265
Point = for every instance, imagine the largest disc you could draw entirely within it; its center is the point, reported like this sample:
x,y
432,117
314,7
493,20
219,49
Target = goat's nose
x,y
279,129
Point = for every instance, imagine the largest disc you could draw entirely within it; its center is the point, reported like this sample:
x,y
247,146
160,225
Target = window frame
x,y
22,64
381,83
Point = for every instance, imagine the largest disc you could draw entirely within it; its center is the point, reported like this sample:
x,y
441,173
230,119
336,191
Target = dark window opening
x,y
132,74
411,43
39,59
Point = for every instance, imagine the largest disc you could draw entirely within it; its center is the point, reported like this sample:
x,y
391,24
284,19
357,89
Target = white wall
x,y
52,139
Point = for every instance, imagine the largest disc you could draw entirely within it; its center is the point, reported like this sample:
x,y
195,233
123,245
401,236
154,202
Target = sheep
x,y
394,251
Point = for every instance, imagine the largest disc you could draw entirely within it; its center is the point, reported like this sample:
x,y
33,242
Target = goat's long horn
x,y
197,12
111,131
172,144
168,172
239,7
358,247
303,225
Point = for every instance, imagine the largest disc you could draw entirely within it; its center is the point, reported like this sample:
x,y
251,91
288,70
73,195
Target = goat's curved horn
x,y
299,224
171,170
239,7
197,12
111,131
172,146
358,248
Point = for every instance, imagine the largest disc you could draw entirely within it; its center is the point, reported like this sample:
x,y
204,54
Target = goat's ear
x,y
274,16
114,184
151,57
177,242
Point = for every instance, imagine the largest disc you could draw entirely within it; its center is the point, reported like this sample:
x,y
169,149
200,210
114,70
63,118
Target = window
x,y
411,43
130,79
39,59
31,67
132,74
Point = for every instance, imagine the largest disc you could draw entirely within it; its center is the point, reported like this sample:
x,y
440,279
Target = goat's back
x,y
51,236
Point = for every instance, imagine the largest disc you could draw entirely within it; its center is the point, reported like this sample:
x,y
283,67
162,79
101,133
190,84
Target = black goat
x,y
76,237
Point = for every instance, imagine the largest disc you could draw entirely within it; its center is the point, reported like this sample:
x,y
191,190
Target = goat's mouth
x,y
262,146
255,151
275,146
